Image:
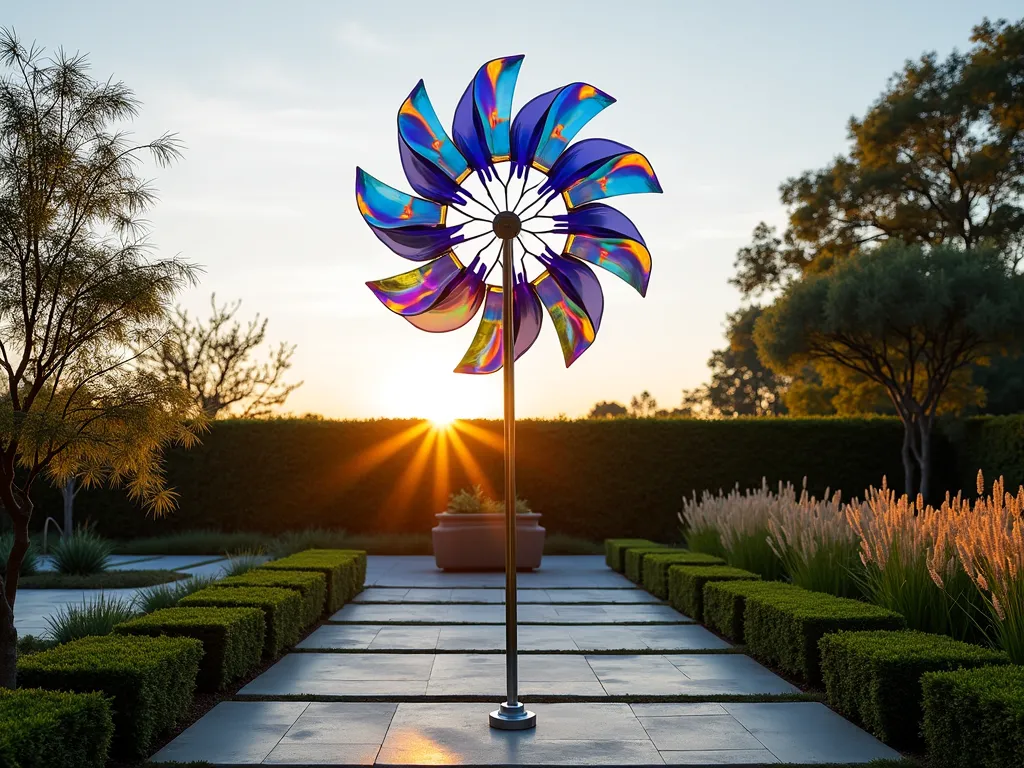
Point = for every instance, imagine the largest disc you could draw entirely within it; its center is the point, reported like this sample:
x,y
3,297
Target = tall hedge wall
x,y
596,479
993,444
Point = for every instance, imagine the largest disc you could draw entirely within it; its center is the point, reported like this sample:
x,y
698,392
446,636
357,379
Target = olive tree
x,y
79,290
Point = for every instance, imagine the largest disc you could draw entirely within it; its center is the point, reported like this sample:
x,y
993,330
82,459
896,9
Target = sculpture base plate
x,y
517,718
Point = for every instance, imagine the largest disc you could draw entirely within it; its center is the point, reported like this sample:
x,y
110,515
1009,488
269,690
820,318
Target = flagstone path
x,y
406,674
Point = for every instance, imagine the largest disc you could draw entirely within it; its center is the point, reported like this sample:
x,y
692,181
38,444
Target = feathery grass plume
x,y
911,566
818,548
988,537
740,521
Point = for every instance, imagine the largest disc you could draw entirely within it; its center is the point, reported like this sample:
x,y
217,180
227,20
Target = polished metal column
x,y
511,715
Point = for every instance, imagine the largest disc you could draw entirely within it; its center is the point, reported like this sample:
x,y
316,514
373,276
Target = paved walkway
x,y
406,674
34,606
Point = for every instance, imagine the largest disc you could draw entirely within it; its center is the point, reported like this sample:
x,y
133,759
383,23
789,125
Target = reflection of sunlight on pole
x,y
466,460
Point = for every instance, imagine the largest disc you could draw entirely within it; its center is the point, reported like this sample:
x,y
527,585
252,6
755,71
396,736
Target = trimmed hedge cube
x,y
311,585
150,681
232,638
345,570
655,568
635,559
783,629
45,729
615,551
282,610
875,677
726,601
974,718
686,585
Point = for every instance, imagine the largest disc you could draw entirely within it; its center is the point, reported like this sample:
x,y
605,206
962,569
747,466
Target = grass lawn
x,y
106,580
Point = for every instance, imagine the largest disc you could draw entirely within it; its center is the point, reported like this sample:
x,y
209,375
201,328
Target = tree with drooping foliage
x,y
79,289
909,319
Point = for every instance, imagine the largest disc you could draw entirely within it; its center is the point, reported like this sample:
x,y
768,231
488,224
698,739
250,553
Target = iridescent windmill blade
x,y
484,353
601,235
546,125
457,306
573,298
528,316
483,117
599,168
416,291
433,164
410,226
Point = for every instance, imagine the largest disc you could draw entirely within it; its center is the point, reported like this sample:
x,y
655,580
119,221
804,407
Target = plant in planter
x,y
470,534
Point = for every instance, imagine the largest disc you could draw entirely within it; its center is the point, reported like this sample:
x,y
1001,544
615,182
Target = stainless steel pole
x,y
511,715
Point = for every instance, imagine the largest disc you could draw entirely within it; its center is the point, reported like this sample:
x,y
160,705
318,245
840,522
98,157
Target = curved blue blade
x,y
433,164
578,161
386,207
482,119
419,243
599,220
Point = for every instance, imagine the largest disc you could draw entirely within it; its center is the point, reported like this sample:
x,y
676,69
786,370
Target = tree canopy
x,y
909,319
79,289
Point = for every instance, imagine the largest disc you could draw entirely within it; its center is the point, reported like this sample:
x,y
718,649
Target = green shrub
x,y
28,644
686,585
29,564
875,677
615,551
476,502
345,571
97,581
635,559
51,729
656,566
783,629
168,595
150,681
282,609
725,603
96,617
311,585
232,638
83,552
974,718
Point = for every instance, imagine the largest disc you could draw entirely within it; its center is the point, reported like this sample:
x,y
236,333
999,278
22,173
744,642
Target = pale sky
x,y
278,102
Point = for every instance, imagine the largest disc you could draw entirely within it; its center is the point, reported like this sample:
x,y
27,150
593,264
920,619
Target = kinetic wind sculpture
x,y
446,292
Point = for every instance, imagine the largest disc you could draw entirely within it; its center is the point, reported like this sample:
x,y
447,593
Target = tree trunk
x,y
924,425
8,646
20,510
908,457
68,492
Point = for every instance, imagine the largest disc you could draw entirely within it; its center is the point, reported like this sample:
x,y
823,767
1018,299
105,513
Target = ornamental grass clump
x,y
734,526
911,565
476,502
82,553
988,538
96,617
817,547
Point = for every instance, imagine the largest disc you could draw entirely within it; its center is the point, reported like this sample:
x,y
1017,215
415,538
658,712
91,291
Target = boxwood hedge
x,y
311,585
150,681
974,718
686,585
232,638
725,603
615,551
44,729
344,569
635,559
783,628
875,677
282,610
655,568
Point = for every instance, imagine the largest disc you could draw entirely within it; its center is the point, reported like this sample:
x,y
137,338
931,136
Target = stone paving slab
x,y
556,572
470,637
411,613
415,734
525,596
352,675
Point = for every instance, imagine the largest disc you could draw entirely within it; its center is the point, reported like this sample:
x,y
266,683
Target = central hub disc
x,y
507,225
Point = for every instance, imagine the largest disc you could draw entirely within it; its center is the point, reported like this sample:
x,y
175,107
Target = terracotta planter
x,y
477,542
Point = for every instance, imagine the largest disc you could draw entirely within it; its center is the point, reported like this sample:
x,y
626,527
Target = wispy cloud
x,y
358,37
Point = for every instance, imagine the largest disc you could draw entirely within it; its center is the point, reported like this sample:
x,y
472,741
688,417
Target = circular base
x,y
517,718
